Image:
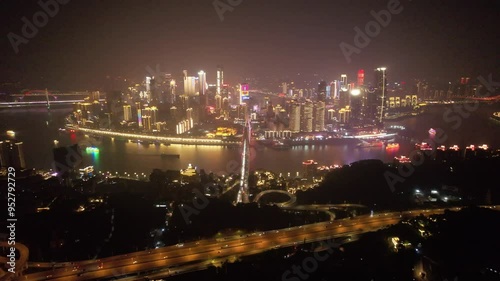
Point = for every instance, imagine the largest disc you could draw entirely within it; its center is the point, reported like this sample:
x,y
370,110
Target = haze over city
x,y
88,41
249,140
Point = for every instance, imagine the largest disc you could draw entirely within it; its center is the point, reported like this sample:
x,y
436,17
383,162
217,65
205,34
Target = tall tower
x,y
220,79
343,82
322,91
381,83
361,77
243,193
202,80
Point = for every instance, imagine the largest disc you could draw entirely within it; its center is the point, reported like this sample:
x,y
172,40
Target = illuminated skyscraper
x,y
12,154
127,112
146,121
189,113
322,91
294,123
319,116
220,79
244,92
307,116
361,77
148,85
152,112
173,86
202,82
284,88
189,86
343,82
218,102
381,90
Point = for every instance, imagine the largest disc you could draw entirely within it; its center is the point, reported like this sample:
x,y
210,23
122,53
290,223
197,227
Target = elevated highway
x,y
170,259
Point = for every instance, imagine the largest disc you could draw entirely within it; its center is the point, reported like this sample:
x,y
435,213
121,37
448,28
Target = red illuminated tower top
x,y
361,77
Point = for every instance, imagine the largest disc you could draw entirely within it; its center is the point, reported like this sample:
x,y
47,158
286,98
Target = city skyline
x,y
250,140
89,45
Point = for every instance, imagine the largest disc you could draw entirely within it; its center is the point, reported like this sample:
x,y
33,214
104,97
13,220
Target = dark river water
x,y
38,128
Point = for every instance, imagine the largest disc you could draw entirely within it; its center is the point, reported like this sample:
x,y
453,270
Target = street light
x,y
383,92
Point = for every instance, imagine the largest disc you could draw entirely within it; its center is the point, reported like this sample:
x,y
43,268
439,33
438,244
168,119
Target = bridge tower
x,y
245,163
47,97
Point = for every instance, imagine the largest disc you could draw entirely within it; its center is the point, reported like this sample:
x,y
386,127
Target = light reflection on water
x,y
38,130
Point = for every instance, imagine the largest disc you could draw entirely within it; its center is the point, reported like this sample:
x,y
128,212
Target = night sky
x,y
88,40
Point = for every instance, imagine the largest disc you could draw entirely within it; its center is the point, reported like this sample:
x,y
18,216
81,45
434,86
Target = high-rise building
x,y
294,123
95,96
361,77
173,86
148,84
151,112
146,122
220,79
307,114
12,154
139,117
381,89
244,92
174,114
319,116
189,113
322,91
218,102
127,112
343,82
203,86
284,88
190,85
335,89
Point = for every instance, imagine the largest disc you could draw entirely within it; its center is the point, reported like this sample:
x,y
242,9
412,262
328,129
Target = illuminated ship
x,y
370,144
423,146
402,159
92,149
370,135
279,145
393,145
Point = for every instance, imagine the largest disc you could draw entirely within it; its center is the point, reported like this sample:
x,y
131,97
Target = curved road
x,y
211,249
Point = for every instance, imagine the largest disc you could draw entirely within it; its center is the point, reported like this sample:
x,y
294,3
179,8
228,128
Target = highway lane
x,y
171,256
219,248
